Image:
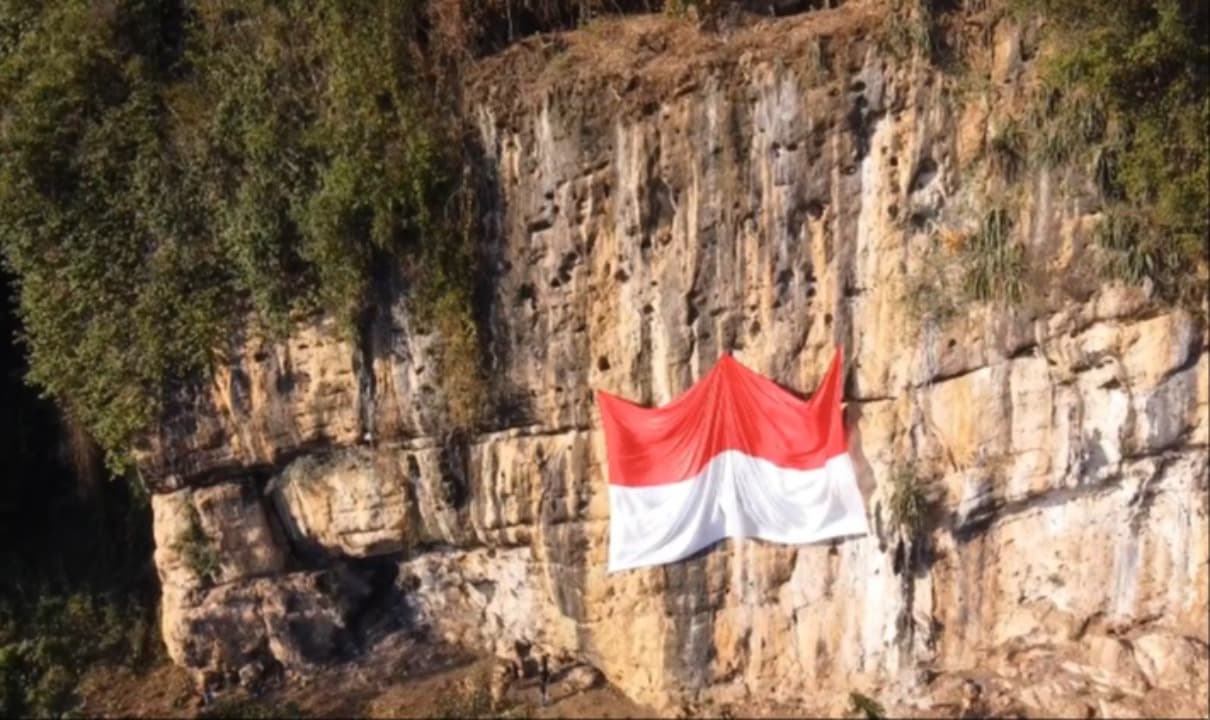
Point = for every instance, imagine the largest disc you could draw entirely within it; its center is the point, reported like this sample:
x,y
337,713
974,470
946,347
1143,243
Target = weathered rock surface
x,y
772,194
234,530
345,504
299,620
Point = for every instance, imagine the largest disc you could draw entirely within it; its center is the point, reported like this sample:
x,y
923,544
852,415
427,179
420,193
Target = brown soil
x,y
453,692
638,62
163,691
456,689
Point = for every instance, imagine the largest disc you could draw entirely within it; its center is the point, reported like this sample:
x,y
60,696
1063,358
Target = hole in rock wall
x,y
455,483
525,293
926,170
300,554
381,609
363,367
511,408
240,391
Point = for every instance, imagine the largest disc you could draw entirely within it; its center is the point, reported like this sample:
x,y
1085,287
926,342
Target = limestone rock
x,y
225,522
233,519
1114,658
1006,58
349,504
1171,661
269,400
172,514
499,681
581,678
774,208
297,620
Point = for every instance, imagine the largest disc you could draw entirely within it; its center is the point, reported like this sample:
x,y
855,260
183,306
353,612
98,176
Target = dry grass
x,y
908,504
664,51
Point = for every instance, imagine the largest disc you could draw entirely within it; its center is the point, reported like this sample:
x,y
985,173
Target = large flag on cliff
x,y
734,456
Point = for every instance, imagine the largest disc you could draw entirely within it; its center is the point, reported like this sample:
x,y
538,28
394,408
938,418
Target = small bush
x,y
908,504
960,268
1132,252
969,84
1007,150
198,551
45,648
458,360
929,292
908,31
866,706
1066,124
994,265
251,708
1126,258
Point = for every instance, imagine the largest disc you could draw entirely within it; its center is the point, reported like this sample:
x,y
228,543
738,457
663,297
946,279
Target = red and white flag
x,y
734,456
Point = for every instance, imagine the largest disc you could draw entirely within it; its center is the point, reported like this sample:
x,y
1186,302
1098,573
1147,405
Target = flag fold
x,y
736,456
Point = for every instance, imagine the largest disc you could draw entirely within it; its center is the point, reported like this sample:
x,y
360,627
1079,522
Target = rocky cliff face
x,y
661,197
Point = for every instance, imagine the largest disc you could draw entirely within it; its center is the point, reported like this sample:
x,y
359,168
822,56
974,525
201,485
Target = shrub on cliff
x,y
198,551
169,170
1127,89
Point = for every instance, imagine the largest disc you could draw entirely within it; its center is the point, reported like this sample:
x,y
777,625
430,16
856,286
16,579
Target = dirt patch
x,y
462,692
639,62
162,691
384,687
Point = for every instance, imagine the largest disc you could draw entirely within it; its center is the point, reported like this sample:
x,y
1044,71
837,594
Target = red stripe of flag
x,y
731,408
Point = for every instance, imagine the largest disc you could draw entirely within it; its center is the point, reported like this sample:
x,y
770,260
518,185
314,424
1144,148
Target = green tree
x,y
172,172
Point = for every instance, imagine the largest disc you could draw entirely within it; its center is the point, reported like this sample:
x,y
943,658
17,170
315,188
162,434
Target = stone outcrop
x,y
250,607
345,504
772,194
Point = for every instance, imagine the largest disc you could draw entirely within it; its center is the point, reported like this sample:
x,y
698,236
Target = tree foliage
x,y
1130,82
78,586
171,171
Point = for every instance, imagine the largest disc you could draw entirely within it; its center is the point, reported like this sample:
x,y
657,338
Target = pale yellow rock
x,y
1114,658
1171,661
232,518
1200,408
350,504
1006,58
1159,346
172,514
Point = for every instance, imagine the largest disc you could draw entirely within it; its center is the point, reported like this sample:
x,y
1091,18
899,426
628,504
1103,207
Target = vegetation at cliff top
x,y
1127,88
169,170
